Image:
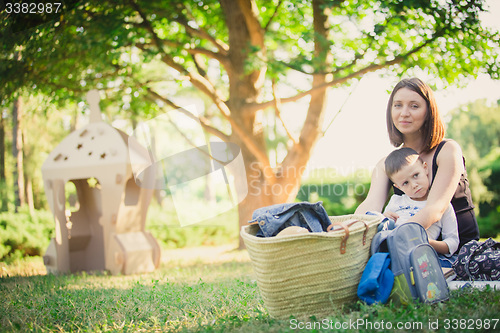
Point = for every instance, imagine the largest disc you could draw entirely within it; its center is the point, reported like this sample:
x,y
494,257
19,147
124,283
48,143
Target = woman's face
x,y
408,111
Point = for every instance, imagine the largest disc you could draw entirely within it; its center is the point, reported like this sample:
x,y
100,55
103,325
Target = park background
x,y
353,140
41,111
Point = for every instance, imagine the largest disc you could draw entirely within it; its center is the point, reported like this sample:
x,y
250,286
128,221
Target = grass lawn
x,y
209,289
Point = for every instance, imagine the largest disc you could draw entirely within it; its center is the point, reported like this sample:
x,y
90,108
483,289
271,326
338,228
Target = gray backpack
x,y
414,263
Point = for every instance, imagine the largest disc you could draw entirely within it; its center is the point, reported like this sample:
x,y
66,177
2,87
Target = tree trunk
x,y
267,186
3,180
28,183
244,32
74,124
17,152
29,195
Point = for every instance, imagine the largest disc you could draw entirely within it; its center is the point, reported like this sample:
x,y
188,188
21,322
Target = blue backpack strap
x,y
379,242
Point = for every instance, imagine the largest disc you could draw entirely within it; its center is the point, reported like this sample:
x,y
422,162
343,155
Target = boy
x,y
410,174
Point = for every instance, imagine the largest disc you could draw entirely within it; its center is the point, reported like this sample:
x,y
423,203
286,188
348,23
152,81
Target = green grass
x,y
210,293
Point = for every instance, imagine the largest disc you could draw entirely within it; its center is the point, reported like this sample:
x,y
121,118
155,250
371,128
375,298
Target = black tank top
x,y
462,199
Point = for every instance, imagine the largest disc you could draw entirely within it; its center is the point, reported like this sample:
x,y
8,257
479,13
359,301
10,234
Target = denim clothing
x,y
273,219
447,262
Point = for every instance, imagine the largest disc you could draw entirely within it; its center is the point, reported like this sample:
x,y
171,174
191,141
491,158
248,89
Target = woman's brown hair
x,y
433,127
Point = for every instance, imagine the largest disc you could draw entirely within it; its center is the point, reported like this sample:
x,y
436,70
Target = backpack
x,y
414,263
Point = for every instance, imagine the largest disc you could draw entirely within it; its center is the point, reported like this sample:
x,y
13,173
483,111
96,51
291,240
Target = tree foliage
x,y
489,219
240,54
476,126
88,44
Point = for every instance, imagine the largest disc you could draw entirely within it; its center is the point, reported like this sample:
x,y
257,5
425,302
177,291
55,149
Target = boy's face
x,y
413,180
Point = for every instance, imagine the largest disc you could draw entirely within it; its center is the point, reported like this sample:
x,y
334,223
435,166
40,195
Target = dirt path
x,y
170,257
205,254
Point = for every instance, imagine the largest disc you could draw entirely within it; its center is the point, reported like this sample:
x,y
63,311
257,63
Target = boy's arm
x,y
449,231
440,246
391,205
393,216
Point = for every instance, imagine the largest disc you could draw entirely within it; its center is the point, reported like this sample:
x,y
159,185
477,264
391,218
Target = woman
x,y
413,121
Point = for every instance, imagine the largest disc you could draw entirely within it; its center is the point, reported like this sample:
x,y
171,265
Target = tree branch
x,y
205,123
266,27
196,50
361,72
206,87
249,10
277,107
188,140
357,57
220,45
197,80
182,20
214,55
199,67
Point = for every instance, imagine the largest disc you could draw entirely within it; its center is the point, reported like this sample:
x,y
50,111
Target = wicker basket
x,y
313,273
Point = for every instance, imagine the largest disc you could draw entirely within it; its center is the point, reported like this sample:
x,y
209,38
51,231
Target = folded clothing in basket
x,y
273,219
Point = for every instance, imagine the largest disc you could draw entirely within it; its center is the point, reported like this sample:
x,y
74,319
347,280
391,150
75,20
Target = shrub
x,y
339,198
489,225
164,226
489,210
23,234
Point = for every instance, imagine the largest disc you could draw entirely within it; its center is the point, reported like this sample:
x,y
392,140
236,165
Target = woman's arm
x,y
451,167
379,189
